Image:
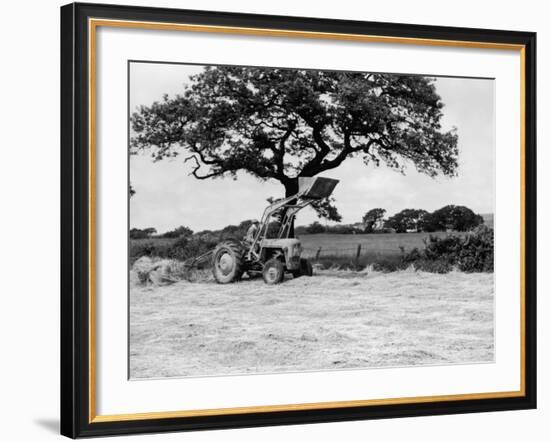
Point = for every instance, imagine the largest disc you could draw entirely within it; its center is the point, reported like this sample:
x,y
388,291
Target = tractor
x,y
271,257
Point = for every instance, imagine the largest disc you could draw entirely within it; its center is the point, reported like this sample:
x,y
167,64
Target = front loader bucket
x,y
316,187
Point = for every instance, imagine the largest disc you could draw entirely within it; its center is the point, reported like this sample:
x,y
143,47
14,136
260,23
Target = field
x,y
374,246
334,320
379,245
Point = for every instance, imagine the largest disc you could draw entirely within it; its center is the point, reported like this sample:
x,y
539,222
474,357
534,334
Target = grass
x,y
378,242
437,252
337,249
374,245
341,261
336,244
393,251
158,246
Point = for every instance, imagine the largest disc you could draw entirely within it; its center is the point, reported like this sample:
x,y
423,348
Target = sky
x,y
167,196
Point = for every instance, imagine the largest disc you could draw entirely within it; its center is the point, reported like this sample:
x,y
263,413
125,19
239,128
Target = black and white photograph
x,y
291,220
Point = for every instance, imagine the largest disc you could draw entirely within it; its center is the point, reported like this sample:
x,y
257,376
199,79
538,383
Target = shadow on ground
x,y
51,425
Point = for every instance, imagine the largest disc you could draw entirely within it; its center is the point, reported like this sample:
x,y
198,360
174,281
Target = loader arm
x,y
264,222
310,190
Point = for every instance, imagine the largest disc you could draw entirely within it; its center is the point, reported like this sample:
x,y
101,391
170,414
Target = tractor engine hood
x,y
280,243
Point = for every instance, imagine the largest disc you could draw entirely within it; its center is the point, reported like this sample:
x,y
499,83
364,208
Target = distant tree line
x,y
317,227
177,232
447,218
450,217
230,231
151,232
142,233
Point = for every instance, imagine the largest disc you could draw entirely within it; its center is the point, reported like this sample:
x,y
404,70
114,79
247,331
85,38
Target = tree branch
x,y
311,168
197,167
347,150
279,154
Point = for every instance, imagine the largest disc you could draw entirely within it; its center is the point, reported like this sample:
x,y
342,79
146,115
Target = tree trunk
x,y
291,188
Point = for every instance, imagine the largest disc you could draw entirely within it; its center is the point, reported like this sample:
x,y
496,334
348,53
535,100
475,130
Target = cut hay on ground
x,y
158,272
334,320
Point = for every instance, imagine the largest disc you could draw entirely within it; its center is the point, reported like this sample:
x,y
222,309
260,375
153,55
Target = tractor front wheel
x,y
274,271
227,262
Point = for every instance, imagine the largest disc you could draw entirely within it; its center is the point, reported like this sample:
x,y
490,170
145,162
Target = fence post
x,y
357,255
318,254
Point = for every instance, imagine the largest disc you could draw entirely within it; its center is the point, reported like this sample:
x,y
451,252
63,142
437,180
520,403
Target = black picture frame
x,y
75,221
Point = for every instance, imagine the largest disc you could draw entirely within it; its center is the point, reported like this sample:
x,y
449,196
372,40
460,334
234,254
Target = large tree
x,y
281,124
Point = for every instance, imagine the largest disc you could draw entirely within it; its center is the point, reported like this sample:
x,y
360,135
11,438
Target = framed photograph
x,y
276,220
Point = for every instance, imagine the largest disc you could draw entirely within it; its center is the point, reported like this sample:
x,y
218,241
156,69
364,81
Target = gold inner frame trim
x,y
306,406
93,24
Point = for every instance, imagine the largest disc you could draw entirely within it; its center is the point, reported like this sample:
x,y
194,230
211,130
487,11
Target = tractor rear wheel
x,y
274,271
227,262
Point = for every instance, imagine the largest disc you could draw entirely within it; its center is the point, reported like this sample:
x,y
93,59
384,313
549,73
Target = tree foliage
x,y
281,124
372,217
142,233
427,223
473,252
406,220
459,218
315,227
178,232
